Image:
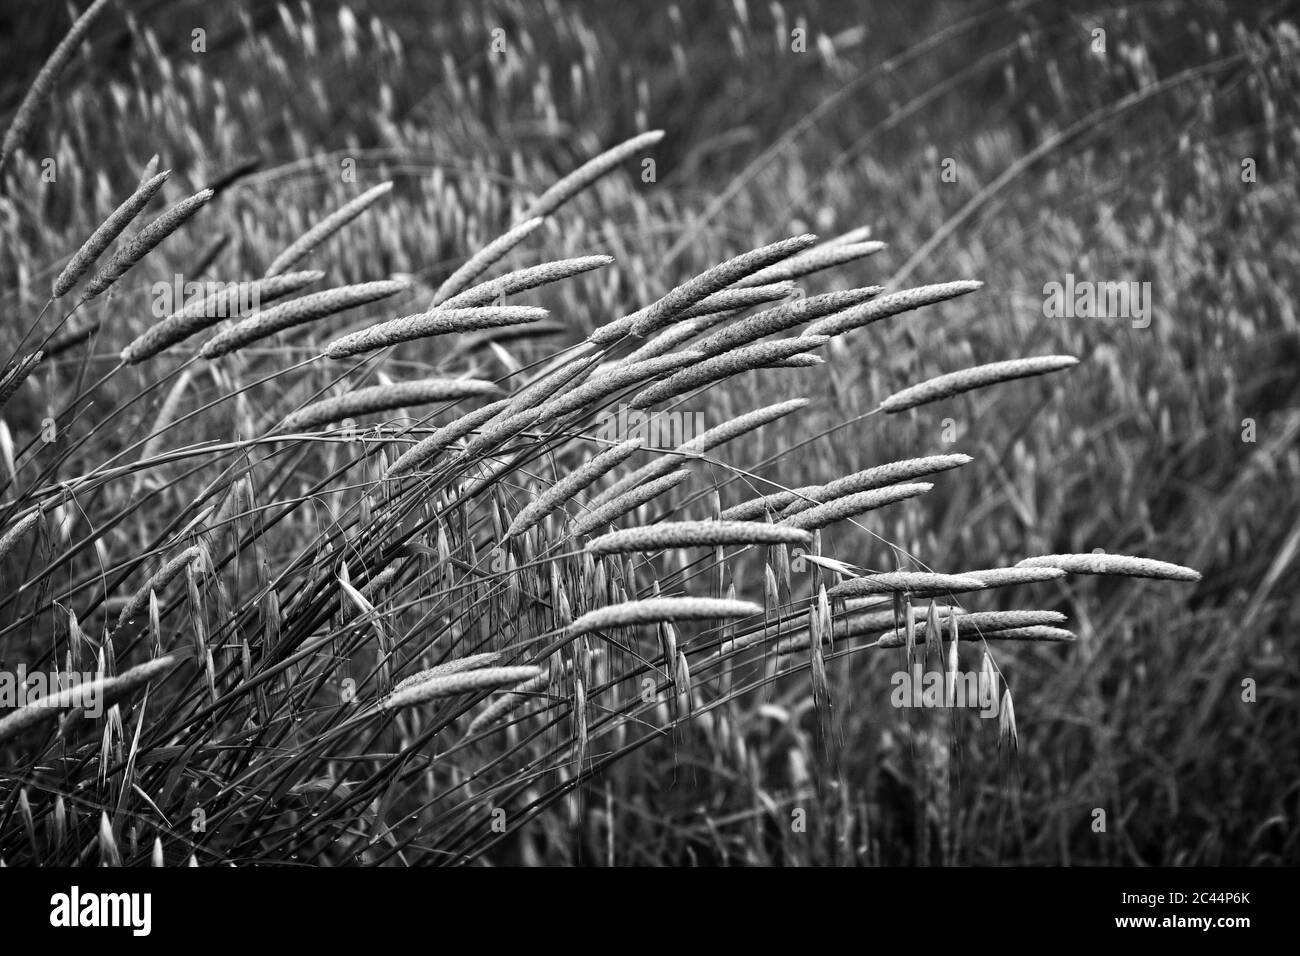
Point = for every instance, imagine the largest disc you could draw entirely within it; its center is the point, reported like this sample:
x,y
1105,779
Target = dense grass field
x,y
1030,146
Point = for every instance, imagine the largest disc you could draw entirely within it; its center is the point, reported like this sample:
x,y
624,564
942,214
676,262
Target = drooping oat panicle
x,y
144,241
484,259
1010,577
1113,564
448,685
569,486
322,230
871,478
590,171
437,322
783,317
108,230
891,304
518,695
954,383
456,666
306,308
522,280
13,379
79,695
825,256
849,506
10,539
223,303
382,398
715,436
661,610
613,380
633,498
441,438
157,581
696,534
724,366
39,92
899,582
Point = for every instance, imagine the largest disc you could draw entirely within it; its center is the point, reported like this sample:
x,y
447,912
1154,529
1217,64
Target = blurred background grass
x,y
1117,166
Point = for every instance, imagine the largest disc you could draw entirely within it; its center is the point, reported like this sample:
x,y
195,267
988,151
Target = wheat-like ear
x,y
871,478
1114,564
891,304
696,534
661,611
456,666
1011,577
850,506
570,485
437,322
441,438
518,695
13,379
783,317
9,540
484,259
608,513
43,85
143,242
198,316
307,308
382,398
521,280
331,224
748,358
824,256
899,582
589,172
448,685
107,231
954,383
157,581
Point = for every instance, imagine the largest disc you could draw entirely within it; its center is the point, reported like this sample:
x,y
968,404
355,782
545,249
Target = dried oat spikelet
x,y
39,92
898,582
157,581
629,500
849,506
871,478
307,308
441,438
108,230
569,486
824,256
517,697
10,539
437,322
457,666
199,316
724,366
331,224
659,611
590,171
103,688
484,259
783,317
382,398
448,685
954,383
715,436
522,280
696,534
891,304
143,242
1114,564
13,379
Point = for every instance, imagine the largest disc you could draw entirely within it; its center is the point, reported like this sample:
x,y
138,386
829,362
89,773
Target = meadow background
x,y
1123,165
